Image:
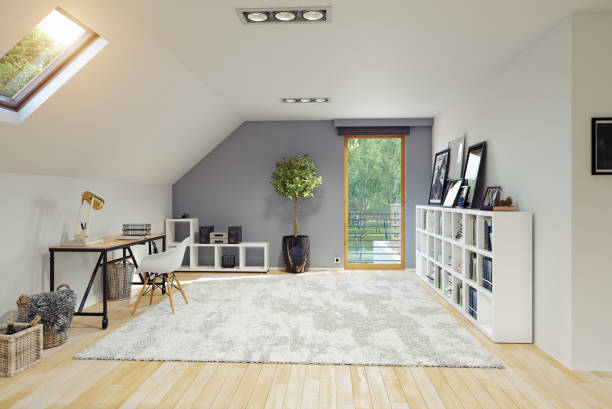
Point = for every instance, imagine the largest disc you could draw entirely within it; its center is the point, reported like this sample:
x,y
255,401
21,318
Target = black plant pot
x,y
296,253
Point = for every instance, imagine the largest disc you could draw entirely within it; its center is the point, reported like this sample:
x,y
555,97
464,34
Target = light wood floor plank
x,y
278,389
196,387
378,391
344,387
430,395
461,390
295,387
361,390
246,386
411,390
310,395
327,388
262,388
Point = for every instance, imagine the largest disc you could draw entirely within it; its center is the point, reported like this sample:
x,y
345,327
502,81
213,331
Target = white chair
x,y
162,265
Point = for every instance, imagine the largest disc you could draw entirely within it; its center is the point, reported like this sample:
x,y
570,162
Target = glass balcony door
x,y
374,196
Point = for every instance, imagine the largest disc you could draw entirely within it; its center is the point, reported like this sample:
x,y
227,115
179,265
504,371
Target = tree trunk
x,y
295,217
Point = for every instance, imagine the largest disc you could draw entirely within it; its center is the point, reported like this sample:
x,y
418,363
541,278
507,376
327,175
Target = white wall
x,y
523,112
39,211
591,196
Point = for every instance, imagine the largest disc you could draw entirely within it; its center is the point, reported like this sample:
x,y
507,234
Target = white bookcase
x,y
190,229
453,256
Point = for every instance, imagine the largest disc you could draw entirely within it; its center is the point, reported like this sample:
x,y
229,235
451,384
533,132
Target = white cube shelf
x,y
194,248
451,252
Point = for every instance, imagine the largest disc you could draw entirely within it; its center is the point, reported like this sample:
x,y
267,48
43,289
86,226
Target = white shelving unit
x,y
191,227
452,255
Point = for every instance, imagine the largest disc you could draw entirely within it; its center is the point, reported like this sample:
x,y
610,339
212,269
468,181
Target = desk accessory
x,y
81,233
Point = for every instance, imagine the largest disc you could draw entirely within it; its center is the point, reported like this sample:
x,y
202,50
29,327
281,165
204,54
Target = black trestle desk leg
x,y
91,281
104,307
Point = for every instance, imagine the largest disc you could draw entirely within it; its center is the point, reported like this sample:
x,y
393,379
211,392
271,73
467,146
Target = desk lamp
x,y
81,233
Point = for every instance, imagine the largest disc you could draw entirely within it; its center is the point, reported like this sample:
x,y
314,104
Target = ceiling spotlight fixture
x,y
285,16
315,14
304,100
257,16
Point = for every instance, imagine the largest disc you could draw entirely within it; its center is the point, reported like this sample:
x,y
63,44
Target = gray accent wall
x,y
231,186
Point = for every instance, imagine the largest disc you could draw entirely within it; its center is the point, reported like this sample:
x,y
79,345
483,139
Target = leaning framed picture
x,y
601,146
451,192
438,176
472,172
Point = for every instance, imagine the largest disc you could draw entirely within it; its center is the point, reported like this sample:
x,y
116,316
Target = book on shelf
x,y
487,273
459,293
473,231
472,303
488,230
473,266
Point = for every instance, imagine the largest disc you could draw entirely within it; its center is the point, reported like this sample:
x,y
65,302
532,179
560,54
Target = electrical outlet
x,y
337,260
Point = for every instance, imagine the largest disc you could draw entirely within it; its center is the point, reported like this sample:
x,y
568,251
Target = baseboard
x,y
312,268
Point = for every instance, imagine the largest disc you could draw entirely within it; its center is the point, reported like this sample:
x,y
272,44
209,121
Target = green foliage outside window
x,y
24,61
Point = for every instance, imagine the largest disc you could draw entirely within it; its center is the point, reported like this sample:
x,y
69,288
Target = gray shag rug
x,y
313,319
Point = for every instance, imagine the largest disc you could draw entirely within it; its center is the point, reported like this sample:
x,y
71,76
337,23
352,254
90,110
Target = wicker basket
x,y
50,339
119,280
21,350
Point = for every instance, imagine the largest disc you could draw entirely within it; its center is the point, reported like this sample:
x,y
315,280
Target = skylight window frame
x,y
26,93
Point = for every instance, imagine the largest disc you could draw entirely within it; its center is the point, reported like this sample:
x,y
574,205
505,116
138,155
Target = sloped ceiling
x,y
179,75
133,113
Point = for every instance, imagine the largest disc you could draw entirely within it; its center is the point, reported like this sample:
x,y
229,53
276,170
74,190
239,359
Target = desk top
x,y
109,243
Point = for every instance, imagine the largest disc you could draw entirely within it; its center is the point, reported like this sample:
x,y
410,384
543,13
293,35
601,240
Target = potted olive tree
x,y
295,178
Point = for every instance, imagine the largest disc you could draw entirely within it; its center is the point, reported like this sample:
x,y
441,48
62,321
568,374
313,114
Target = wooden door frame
x,y
357,266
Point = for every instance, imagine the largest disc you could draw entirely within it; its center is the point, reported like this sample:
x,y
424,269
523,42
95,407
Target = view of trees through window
x,y
36,51
24,61
374,176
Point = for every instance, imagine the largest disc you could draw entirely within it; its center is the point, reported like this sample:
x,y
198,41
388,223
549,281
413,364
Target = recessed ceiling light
x,y
257,16
285,16
313,15
270,15
304,100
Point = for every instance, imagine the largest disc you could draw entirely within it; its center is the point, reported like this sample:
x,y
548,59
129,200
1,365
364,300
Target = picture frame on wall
x,y
601,146
472,172
455,162
438,177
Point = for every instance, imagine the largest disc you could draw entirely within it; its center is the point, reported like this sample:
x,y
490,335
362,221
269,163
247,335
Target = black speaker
x,y
205,234
234,234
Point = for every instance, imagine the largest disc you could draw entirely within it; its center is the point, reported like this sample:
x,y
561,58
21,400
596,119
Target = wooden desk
x,y
109,244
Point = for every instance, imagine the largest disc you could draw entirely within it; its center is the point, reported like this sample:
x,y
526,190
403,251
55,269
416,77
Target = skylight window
x,y
51,47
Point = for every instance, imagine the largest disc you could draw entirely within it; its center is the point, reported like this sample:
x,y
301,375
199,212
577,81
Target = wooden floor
x,y
532,379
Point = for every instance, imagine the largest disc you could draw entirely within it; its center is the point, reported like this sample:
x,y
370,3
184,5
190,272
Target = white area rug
x,y
299,319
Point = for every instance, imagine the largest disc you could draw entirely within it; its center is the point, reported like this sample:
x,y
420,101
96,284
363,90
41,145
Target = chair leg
x,y
152,289
144,287
178,283
169,291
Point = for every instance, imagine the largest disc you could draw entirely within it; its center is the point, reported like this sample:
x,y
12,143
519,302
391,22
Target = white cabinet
x,y
178,229
481,263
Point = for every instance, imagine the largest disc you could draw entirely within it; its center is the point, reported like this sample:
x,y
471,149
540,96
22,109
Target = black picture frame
x,y
492,196
463,196
452,191
601,146
473,171
439,175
